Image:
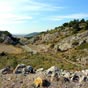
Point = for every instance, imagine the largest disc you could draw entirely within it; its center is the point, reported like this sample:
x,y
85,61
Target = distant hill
x,y
18,35
32,34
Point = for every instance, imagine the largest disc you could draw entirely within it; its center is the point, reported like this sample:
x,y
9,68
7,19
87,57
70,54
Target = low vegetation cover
x,y
65,46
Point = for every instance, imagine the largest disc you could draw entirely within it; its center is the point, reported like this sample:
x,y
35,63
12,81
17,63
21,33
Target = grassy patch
x,y
37,61
83,46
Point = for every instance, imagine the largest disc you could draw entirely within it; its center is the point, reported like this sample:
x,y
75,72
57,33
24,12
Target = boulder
x,y
72,41
54,77
85,72
85,79
67,75
22,68
29,69
5,70
52,69
19,68
40,70
66,79
53,72
49,37
65,46
75,78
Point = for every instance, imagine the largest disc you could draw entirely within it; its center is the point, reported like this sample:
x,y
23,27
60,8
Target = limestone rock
x,y
40,70
72,41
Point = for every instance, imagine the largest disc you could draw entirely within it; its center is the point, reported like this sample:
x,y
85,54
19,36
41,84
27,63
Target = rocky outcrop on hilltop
x,y
75,30
7,38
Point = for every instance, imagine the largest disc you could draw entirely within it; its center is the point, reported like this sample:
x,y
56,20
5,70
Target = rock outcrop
x,y
23,69
59,78
72,41
7,38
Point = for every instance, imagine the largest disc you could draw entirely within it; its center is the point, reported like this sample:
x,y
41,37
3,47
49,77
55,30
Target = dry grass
x,y
10,49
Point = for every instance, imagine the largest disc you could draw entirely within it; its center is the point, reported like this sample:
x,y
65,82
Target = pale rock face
x,y
72,41
52,69
49,37
54,76
65,46
67,75
5,70
81,78
21,65
19,68
40,70
22,68
53,72
85,72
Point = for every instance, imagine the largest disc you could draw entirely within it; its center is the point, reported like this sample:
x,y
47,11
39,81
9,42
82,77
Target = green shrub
x,y
14,62
1,40
83,46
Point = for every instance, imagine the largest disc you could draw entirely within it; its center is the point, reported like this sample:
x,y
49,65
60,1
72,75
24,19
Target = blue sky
x,y
26,16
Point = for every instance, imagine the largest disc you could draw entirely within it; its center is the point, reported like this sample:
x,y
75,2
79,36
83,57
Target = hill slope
x,y
65,46
8,43
7,38
67,43
31,34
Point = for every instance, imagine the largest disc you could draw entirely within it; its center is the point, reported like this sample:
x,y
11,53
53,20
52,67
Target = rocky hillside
x,y
9,44
65,46
57,58
7,38
61,32
68,42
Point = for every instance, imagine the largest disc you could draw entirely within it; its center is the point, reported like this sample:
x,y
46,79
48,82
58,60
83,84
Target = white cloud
x,y
8,13
71,16
12,18
12,11
41,8
31,5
